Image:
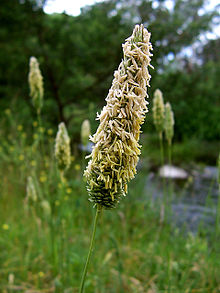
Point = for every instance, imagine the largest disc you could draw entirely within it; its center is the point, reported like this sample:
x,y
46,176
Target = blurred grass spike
x,y
62,148
11,278
46,208
169,123
116,152
36,84
85,132
158,111
31,190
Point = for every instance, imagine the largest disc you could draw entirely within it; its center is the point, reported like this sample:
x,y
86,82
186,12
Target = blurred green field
x,y
43,250
139,248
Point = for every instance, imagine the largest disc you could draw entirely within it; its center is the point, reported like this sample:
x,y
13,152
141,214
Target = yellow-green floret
x,y
116,151
36,84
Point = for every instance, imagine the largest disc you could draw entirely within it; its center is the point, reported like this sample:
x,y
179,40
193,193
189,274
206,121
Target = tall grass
x,y
45,223
135,260
133,254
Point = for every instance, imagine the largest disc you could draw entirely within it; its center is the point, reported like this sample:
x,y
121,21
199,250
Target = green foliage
x,y
129,255
44,239
185,153
194,96
78,56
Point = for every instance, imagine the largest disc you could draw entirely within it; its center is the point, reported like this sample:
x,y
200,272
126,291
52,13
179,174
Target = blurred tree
x,y
18,22
174,24
209,52
78,55
195,96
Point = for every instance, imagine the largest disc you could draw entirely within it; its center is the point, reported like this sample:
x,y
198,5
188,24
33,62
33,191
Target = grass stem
x,y
164,184
161,149
90,250
217,230
170,164
41,135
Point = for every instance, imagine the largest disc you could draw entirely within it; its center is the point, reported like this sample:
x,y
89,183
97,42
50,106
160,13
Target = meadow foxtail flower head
x,y
115,154
169,123
36,84
62,148
45,205
31,190
158,111
85,132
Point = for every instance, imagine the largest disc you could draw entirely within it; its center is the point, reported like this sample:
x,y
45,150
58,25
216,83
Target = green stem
x,y
83,161
52,242
169,153
170,163
60,215
41,135
218,205
217,218
90,251
164,183
161,149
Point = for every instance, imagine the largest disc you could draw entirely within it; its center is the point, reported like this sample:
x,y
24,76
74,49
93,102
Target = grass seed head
x,y
158,111
169,123
31,190
116,151
36,84
62,148
46,208
85,132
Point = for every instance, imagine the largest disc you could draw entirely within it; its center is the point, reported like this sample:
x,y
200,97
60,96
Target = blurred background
x,y
78,47
78,55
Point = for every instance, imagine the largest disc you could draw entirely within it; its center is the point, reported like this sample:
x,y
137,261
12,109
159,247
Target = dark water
x,y
193,201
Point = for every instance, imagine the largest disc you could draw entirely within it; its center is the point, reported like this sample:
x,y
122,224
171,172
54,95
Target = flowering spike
x,y
115,154
85,132
158,111
31,190
45,205
62,148
36,84
169,123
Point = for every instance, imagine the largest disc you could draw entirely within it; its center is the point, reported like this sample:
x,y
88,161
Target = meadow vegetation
x,y
43,249
45,215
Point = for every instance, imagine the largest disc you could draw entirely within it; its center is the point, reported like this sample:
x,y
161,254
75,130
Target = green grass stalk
x,y
52,241
217,232
164,183
170,164
98,210
161,149
41,135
